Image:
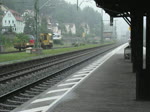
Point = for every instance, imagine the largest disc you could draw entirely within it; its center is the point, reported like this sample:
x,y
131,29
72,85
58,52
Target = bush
x,y
21,38
5,41
58,42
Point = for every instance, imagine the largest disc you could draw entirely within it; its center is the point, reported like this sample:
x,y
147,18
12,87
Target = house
x,y
2,10
86,28
53,26
13,22
29,13
70,27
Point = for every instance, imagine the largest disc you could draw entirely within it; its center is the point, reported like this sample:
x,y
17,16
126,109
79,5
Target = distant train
x,y
45,41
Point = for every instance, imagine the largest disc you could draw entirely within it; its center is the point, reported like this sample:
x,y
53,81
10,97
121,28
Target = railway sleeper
x,y
2,110
47,83
7,106
44,85
36,90
10,101
41,87
32,92
27,95
21,98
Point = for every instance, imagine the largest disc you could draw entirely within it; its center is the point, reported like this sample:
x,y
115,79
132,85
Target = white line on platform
x,y
39,109
87,69
58,90
74,79
66,84
105,58
101,61
83,72
46,99
79,75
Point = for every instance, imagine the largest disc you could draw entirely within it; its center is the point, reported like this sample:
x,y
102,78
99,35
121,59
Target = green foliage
x,y
79,32
59,42
43,27
21,38
61,12
19,5
5,41
29,25
26,56
63,28
10,29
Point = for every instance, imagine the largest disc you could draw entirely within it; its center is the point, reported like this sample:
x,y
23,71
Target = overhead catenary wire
x,y
44,4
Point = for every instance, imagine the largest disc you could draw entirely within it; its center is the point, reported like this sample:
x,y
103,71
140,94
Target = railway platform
x,y
106,85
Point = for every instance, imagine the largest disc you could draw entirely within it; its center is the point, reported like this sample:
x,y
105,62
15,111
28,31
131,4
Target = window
x,y
9,14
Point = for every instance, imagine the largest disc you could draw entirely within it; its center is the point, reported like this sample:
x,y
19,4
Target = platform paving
x,y
110,88
106,85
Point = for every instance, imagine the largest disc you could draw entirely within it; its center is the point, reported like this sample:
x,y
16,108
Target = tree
x,y
21,38
63,28
43,27
10,29
61,12
80,31
29,25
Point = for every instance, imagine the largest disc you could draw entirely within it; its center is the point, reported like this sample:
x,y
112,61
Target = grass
x,y
23,56
8,49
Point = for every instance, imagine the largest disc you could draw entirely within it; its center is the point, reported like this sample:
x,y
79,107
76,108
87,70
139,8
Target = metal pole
x,y
77,4
102,26
115,30
0,34
1,47
36,21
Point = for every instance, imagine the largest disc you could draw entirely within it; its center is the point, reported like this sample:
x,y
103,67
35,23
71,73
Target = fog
x,y
121,25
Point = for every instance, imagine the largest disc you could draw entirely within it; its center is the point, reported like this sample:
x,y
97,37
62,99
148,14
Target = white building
x,y
13,21
70,27
86,28
28,12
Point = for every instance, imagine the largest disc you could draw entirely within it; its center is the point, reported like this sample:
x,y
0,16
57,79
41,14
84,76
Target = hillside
x,y
61,12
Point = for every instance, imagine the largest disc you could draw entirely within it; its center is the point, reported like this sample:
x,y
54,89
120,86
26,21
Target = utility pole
x,y
77,4
0,10
37,49
36,7
115,30
102,26
1,46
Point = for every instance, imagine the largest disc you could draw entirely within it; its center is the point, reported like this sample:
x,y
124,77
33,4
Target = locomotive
x,y
46,40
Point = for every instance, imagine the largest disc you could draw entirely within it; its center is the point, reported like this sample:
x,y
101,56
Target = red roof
x,y
19,18
14,12
16,15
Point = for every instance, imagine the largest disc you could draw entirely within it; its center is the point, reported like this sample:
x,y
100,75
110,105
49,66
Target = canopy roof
x,y
120,8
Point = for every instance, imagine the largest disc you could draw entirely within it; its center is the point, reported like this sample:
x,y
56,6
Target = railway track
x,y
8,68
22,84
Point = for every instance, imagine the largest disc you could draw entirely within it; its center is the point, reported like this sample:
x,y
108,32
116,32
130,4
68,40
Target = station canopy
x,y
122,8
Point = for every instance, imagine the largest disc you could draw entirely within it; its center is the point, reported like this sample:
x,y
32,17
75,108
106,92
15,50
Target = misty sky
x,y
122,26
